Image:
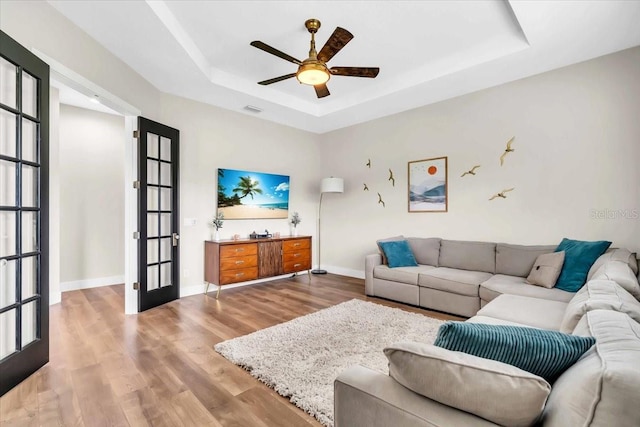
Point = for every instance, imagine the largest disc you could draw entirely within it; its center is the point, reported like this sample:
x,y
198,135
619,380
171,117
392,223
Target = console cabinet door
x,y
270,259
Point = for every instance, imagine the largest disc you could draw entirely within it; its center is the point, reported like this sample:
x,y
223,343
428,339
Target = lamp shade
x,y
332,185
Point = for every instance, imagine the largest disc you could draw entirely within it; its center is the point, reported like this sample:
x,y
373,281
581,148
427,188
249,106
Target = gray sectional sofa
x,y
600,389
460,277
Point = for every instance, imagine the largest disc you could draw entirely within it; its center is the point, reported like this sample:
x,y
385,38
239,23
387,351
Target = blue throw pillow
x,y
398,254
544,353
579,256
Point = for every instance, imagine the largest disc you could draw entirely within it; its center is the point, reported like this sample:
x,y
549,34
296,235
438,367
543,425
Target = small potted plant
x,y
295,220
217,223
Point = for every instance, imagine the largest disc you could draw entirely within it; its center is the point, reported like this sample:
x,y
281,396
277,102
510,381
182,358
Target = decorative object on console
x,y
391,178
579,257
328,185
295,220
507,150
501,194
472,171
428,185
546,269
265,235
252,195
217,224
541,352
380,201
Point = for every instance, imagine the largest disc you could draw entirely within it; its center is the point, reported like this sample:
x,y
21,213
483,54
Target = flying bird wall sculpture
x,y
501,194
391,178
368,164
507,150
472,171
380,201
366,188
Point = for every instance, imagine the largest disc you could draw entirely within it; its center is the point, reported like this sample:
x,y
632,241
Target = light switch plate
x,y
190,222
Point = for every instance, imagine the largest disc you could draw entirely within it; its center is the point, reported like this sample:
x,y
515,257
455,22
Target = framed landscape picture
x,y
428,185
252,195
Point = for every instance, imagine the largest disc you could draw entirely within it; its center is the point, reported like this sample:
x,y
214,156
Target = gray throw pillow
x,y
546,269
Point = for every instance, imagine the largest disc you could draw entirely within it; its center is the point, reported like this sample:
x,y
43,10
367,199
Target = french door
x,y
158,219
24,245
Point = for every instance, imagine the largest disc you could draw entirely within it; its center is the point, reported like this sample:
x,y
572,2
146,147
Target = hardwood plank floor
x,y
159,368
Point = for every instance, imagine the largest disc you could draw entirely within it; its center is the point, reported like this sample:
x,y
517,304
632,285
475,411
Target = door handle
x,y
174,239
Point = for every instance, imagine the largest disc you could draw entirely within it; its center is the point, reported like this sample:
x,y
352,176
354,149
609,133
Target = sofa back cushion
x,y
620,273
614,254
475,256
517,260
599,295
425,249
601,389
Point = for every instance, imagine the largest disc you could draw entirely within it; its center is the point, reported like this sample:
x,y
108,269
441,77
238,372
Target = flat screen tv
x,y
252,195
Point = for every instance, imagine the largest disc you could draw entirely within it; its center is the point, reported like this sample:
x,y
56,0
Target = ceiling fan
x,y
313,71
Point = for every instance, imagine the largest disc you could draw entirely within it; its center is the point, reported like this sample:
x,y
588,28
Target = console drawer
x,y
295,245
298,255
294,266
229,251
239,275
238,262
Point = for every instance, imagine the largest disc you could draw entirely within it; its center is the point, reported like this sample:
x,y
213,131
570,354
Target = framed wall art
x,y
428,185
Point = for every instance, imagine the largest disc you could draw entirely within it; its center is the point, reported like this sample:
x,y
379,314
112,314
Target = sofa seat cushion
x,y
513,285
509,395
600,389
517,260
452,280
407,275
493,321
465,255
599,295
533,312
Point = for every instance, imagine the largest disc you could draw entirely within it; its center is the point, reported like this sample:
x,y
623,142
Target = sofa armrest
x,y
370,262
367,398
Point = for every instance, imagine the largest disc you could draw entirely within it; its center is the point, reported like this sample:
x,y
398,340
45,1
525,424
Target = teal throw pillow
x,y
541,352
398,254
579,256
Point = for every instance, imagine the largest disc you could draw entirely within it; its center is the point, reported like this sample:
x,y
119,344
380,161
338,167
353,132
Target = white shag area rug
x,y
301,358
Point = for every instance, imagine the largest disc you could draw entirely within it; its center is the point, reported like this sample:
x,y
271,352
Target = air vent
x,y
253,109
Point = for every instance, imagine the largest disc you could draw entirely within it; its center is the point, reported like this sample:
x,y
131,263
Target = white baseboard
x,y
91,283
358,274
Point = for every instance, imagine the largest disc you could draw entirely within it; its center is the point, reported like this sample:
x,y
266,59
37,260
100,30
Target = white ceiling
x,y
427,50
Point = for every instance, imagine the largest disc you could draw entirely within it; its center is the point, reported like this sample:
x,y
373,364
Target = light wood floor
x,y
159,367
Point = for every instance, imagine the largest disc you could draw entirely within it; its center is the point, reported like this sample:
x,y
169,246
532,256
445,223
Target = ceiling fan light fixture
x,y
313,73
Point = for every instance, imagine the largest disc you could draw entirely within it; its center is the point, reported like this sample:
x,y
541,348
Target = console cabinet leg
x,y
218,292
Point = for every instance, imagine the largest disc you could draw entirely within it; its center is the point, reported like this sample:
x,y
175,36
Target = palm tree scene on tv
x,y
252,195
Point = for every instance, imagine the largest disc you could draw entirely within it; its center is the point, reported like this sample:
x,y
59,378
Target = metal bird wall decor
x,y
366,188
507,150
391,178
472,171
368,164
380,201
501,194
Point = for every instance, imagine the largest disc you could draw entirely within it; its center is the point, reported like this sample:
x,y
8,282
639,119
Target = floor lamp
x,y
328,185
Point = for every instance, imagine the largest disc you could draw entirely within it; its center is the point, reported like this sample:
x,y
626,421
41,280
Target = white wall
x,y
91,197
212,138
576,153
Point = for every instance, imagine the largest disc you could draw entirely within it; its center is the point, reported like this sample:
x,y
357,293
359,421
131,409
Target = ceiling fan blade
x,y
370,72
274,51
322,90
337,41
276,79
